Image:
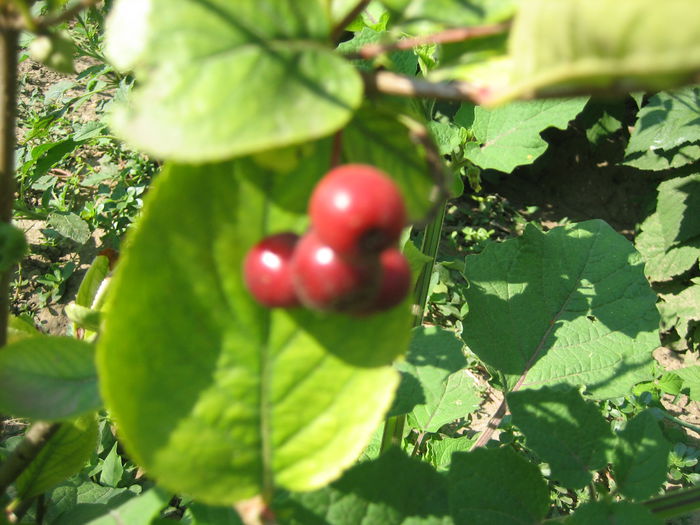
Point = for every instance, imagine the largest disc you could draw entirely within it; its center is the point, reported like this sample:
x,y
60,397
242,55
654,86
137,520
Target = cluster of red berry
x,y
348,261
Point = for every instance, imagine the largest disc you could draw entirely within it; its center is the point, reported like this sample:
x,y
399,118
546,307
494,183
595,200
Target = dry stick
x,y
34,440
405,86
342,24
460,34
8,103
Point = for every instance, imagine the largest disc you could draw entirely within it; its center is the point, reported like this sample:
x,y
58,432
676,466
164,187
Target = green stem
x,y
393,428
677,421
9,39
675,504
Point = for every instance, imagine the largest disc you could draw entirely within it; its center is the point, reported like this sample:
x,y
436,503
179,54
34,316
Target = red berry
x,y
266,271
357,209
395,282
325,281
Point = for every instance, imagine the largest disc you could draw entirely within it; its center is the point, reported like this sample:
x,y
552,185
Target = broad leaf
x,y
13,246
221,79
207,515
20,328
564,430
618,513
677,205
641,457
478,481
575,305
667,122
435,362
136,511
112,468
214,395
691,380
392,490
380,135
48,378
622,45
435,14
78,501
510,136
63,455
662,264
439,451
657,160
681,311
70,225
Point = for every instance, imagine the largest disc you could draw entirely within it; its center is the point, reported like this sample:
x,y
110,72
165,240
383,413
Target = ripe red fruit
x,y
395,281
325,281
266,271
356,210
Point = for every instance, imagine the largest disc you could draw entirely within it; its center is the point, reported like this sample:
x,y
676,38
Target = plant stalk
x,y
393,428
9,39
34,440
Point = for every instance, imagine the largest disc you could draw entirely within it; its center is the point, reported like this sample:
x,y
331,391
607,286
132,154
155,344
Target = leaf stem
x,y
405,86
34,440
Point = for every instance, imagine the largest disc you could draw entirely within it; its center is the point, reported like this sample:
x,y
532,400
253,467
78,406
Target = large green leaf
x,y
136,511
663,264
435,361
563,430
214,395
641,457
48,378
691,380
63,455
78,501
677,206
380,135
617,513
510,136
479,480
681,311
391,490
565,46
221,79
669,121
431,15
568,306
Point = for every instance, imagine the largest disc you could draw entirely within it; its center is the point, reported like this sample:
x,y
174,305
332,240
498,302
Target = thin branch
x,y
448,36
405,86
65,16
491,426
347,19
34,440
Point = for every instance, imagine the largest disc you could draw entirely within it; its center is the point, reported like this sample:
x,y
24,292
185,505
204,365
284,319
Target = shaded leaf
x,y
576,305
640,458
392,490
564,430
63,455
681,311
618,513
210,74
691,380
13,246
208,515
48,378
225,399
479,479
510,136
136,511
439,451
78,501
677,205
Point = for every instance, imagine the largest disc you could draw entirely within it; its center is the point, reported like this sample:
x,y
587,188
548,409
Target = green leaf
x,y
95,275
510,136
77,501
667,122
137,511
392,490
435,361
439,451
20,328
479,480
564,430
658,160
617,513
48,378
625,46
380,135
691,380
63,455
640,458
663,264
576,305
681,311
220,79
677,205
221,398
435,14
69,225
208,515
83,317
13,246
404,62
112,468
